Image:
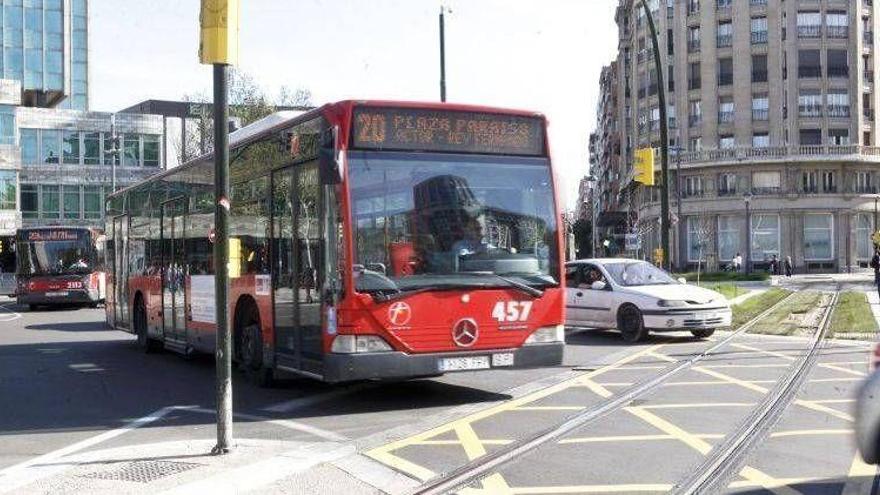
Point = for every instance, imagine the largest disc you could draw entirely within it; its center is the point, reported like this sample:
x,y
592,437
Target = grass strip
x,y
756,305
726,289
791,317
852,319
756,276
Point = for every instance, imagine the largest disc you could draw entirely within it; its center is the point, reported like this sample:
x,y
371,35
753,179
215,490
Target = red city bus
x,y
59,265
368,240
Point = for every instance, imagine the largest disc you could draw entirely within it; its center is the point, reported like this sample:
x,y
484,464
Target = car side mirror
x,y
682,281
329,167
598,285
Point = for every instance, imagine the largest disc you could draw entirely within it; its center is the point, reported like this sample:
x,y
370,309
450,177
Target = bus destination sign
x,y
52,235
406,129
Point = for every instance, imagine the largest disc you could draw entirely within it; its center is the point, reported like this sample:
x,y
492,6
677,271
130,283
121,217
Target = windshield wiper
x,y
528,289
380,297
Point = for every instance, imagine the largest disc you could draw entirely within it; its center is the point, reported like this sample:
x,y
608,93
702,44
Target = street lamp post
x,y
681,233
747,198
664,139
594,181
442,56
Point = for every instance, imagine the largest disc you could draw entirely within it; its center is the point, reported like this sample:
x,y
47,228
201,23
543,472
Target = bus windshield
x,y
56,257
445,221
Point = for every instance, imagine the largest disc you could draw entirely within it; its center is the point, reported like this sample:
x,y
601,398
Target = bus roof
x,y
282,119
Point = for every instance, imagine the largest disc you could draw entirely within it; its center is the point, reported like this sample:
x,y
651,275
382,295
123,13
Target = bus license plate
x,y
464,363
502,359
56,294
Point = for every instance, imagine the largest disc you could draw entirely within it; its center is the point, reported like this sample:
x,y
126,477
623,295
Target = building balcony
x,y
806,153
810,31
838,32
759,37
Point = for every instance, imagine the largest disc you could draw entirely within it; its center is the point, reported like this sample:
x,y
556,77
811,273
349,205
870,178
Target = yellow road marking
x,y
551,490
384,454
834,401
469,441
719,366
797,433
707,404
493,441
776,483
492,485
829,366
549,408
860,478
637,438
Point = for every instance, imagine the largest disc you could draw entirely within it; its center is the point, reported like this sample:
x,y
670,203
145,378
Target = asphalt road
x,y
66,379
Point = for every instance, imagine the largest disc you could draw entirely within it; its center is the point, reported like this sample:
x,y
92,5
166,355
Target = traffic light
x,y
643,166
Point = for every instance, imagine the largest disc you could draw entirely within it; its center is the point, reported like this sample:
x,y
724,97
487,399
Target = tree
x,y
583,237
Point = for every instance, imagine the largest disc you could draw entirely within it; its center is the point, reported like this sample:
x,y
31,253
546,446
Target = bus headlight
x,y
546,335
351,344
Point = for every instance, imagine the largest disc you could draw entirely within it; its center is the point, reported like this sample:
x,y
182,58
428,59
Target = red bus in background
x,y
59,265
368,240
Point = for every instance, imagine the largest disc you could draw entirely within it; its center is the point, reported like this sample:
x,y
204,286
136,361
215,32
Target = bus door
x,y
297,268
174,270
120,270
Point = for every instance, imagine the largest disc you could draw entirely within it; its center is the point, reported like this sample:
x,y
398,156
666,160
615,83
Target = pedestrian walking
x,y
774,265
875,264
788,266
737,262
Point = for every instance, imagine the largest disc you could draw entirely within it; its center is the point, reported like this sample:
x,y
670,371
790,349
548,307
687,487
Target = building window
x,y
92,148
726,142
838,137
818,230
729,231
151,149
810,103
695,144
693,7
29,142
725,110
829,183
864,229
759,30
30,201
760,140
699,237
838,24
70,148
765,236
50,140
695,109
655,119
694,77
7,124
759,68
727,184
91,202
838,63
838,103
50,207
811,137
864,183
760,107
8,190
725,71
693,39
71,202
725,34
131,150
809,24
809,64
693,186
766,182
723,4
810,182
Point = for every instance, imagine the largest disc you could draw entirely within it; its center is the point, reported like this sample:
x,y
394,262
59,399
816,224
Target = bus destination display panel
x,y
405,129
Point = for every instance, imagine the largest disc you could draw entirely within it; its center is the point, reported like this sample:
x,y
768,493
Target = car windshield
x,y
630,274
440,220
56,257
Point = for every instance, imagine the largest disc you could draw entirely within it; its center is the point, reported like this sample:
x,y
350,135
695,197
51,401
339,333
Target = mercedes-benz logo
x,y
465,332
399,314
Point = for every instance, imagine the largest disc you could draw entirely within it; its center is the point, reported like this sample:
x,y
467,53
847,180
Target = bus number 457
x,y
510,311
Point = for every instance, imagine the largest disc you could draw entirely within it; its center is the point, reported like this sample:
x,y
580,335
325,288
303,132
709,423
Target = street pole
x,y
442,58
218,46
681,233
664,141
115,156
875,212
221,261
748,262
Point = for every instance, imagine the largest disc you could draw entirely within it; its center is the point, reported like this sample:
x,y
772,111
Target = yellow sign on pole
x,y
218,43
643,166
876,238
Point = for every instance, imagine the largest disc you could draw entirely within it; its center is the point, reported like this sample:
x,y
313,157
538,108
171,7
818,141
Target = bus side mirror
x,y
328,157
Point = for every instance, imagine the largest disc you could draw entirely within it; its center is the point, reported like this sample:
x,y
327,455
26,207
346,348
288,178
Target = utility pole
x,y
115,150
442,56
219,47
680,258
664,141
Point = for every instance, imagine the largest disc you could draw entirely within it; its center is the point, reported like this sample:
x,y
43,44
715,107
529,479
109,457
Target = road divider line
x,y
311,400
798,433
699,405
41,466
491,441
636,438
820,364
284,423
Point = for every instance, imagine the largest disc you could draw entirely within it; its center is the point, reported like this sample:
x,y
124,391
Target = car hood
x,y
678,292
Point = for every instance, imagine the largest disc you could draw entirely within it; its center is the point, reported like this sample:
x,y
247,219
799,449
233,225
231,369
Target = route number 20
x,y
511,311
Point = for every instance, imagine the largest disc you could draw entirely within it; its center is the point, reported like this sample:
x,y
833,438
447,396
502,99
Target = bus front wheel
x,y
249,346
139,322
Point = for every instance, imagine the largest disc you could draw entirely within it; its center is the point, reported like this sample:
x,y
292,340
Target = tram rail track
x,y
726,459
477,468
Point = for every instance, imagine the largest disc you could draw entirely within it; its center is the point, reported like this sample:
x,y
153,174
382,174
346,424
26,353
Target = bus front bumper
x,y
397,365
67,296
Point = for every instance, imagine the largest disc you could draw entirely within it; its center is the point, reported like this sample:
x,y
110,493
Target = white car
x,y
868,413
636,297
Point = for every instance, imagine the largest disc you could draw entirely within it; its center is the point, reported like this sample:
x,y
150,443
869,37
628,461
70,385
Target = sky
x,y
541,55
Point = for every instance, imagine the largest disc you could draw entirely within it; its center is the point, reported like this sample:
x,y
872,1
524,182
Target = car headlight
x,y
352,344
546,335
670,303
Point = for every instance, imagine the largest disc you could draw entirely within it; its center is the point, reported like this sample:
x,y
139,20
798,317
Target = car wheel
x,y
631,324
704,333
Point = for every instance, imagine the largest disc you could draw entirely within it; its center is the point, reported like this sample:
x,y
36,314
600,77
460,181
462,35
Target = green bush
x,y
725,276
